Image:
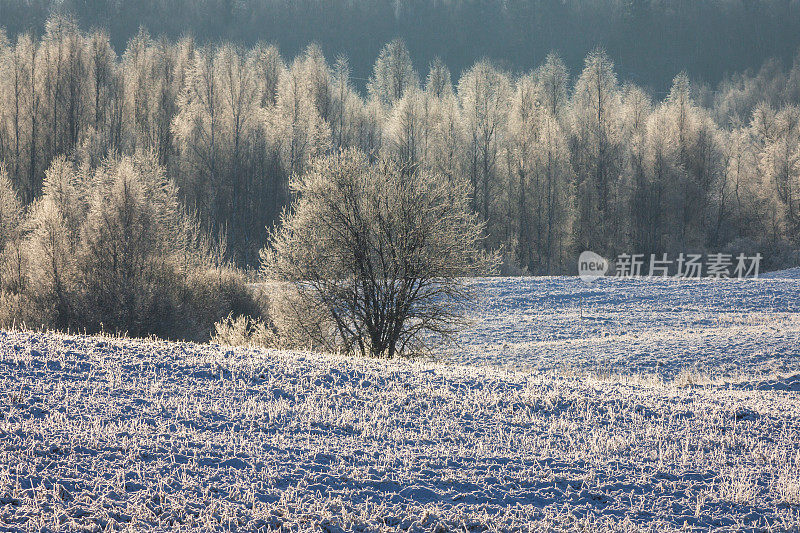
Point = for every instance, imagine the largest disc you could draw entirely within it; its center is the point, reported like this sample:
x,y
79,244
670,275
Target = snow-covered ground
x,y
669,405
723,328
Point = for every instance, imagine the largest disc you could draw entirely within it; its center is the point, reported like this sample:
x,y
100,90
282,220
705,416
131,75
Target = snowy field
x,y
669,405
720,328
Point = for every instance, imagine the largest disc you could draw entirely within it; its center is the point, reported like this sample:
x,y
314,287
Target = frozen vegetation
x,y
735,330
669,405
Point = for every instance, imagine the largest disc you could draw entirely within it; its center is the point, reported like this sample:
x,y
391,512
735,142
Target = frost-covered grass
x,y
669,407
731,329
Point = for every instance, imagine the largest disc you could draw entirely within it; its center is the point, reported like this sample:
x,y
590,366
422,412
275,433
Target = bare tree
x,y
11,218
597,149
406,129
267,65
393,73
699,153
438,83
485,94
446,153
552,79
130,239
55,223
779,165
376,250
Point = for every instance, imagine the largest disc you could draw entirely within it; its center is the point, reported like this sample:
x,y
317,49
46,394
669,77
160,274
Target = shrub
x,y
243,331
113,250
217,293
299,321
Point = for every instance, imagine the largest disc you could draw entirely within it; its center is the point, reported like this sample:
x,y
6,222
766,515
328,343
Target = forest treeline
x,y
555,163
650,40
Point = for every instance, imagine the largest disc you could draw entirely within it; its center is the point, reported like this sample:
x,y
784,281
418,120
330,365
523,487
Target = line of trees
x,y
554,163
649,39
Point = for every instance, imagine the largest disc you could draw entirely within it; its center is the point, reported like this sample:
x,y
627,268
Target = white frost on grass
x,y
539,433
724,329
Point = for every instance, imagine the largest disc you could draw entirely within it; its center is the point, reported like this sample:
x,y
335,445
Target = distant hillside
x,y
651,40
